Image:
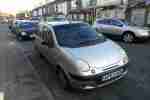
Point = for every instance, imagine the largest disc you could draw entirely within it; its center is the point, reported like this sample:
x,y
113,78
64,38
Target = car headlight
x,y
123,61
83,66
144,33
23,33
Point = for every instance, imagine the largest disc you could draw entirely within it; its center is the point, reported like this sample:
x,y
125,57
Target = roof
x,y
63,23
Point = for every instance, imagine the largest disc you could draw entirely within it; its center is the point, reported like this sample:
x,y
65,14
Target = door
x,y
50,51
116,27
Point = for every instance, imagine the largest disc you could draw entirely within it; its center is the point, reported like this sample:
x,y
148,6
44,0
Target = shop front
x,y
86,15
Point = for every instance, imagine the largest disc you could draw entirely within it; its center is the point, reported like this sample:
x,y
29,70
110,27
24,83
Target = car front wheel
x,y
128,37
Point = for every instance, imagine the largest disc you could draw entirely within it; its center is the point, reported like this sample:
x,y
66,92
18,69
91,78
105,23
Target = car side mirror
x,y
48,44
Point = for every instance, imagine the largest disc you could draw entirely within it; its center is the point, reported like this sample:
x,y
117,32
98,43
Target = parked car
x,y
14,24
82,57
25,29
3,20
121,28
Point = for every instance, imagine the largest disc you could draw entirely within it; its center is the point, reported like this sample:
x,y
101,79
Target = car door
x,y
106,27
116,27
99,25
38,42
50,50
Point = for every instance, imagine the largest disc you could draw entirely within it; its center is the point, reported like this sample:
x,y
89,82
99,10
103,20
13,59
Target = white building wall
x,y
62,7
40,12
73,4
138,16
108,2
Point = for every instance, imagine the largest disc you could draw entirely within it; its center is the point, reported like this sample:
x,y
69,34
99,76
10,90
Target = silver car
x,y
121,28
83,58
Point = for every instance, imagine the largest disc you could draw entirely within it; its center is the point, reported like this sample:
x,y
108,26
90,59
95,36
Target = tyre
x,y
63,79
128,37
19,38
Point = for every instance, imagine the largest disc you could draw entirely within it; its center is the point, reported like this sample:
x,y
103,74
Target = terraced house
x,y
138,12
86,10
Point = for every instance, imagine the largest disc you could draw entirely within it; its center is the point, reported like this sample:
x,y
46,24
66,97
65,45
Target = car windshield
x,y
77,35
27,25
125,22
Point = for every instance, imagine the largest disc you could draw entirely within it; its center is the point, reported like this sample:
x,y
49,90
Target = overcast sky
x,y
13,6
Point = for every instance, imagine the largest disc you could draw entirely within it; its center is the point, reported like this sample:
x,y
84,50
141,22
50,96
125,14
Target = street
x,y
18,81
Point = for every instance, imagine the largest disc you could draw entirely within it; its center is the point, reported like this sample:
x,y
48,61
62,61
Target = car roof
x,y
56,23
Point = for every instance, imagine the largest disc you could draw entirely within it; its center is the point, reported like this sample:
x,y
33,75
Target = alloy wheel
x,y
128,37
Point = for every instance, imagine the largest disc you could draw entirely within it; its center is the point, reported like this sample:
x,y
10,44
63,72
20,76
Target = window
x,y
101,22
77,35
104,22
47,36
115,22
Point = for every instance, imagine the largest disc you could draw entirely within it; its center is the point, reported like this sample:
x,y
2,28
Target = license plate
x,y
112,75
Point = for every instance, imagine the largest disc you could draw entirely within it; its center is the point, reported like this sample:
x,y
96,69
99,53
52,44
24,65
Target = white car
x,y
122,29
82,58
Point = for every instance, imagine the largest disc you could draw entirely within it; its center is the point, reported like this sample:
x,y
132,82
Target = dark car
x,y
25,30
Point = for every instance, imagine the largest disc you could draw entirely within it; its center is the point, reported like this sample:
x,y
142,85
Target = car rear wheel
x,y
128,37
63,79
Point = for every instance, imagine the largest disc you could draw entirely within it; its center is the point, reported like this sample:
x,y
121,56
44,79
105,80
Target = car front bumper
x,y
26,36
95,81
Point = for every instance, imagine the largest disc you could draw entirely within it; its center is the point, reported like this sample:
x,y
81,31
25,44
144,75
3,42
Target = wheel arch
x,y
128,31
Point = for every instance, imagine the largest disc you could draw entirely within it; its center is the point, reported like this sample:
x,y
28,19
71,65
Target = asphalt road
x,y
135,86
18,79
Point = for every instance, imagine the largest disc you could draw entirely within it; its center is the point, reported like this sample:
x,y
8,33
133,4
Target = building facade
x,y
87,10
138,12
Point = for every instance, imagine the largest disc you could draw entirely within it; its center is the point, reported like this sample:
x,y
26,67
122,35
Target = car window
x,y
47,35
101,22
115,22
105,21
108,22
77,35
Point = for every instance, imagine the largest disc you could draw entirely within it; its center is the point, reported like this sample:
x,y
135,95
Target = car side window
x,y
116,23
100,22
107,22
47,36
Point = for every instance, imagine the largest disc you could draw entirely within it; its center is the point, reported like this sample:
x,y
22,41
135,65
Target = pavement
x,y
18,79
27,76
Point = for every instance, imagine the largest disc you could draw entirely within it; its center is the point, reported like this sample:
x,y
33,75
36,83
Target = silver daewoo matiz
x,y
82,57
